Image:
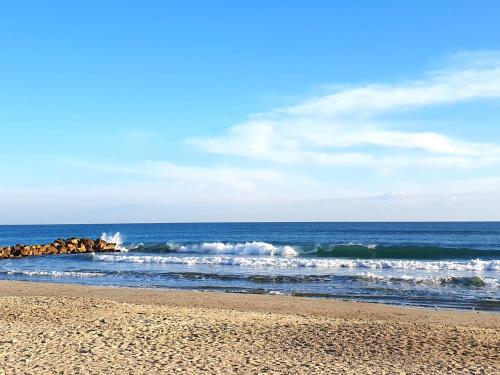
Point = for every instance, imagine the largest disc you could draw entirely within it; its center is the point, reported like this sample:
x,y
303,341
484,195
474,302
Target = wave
x,y
470,281
280,262
245,248
349,250
116,239
402,252
467,281
52,273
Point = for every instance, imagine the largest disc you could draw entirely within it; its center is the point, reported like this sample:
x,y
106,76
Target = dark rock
x,y
16,250
50,249
36,250
72,241
5,252
72,248
110,247
88,243
100,245
26,251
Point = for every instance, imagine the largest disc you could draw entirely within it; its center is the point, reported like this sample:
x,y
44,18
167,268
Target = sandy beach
x,y
67,329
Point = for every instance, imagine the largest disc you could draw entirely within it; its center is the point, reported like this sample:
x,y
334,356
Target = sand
x,y
68,329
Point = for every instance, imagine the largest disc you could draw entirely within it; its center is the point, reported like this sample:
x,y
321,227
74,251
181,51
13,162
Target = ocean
x,y
450,265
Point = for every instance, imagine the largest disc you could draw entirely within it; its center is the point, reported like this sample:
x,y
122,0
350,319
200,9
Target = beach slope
x,y
56,328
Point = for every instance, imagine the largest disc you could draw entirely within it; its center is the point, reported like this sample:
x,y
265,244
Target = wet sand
x,y
67,329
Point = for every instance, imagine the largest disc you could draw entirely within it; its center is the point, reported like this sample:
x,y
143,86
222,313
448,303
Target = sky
x,y
154,111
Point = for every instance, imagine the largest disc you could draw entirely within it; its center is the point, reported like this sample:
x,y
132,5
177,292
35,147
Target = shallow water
x,y
426,264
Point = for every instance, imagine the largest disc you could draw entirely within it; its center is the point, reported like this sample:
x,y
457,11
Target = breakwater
x,y
72,245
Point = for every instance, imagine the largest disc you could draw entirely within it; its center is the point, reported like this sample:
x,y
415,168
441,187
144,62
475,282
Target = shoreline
x,y
65,328
213,299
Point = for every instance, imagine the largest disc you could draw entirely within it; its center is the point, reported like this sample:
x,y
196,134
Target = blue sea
x,y
452,265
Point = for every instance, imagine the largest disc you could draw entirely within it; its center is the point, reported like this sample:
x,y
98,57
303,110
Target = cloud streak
x,y
345,128
172,182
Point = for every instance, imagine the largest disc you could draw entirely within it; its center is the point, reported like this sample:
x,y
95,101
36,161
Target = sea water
x,y
454,265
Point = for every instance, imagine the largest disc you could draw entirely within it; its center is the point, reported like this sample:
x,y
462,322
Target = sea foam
x,y
246,248
69,274
477,281
116,239
341,250
470,265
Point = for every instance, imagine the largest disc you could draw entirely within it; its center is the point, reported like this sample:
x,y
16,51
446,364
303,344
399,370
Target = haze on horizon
x,y
121,111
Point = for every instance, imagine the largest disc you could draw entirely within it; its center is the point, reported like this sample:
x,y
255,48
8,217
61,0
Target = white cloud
x,y
170,182
468,76
340,128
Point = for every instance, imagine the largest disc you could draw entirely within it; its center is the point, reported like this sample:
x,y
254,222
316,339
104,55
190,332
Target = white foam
x,y
246,248
276,293
470,265
53,273
115,238
371,276
489,282
368,246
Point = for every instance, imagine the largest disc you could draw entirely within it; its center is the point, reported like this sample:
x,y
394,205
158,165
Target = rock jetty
x,y
72,245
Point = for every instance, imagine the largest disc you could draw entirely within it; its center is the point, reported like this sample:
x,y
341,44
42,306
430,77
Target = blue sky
x,y
153,111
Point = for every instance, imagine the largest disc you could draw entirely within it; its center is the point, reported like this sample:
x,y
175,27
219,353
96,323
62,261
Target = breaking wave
x,y
402,252
349,250
246,248
281,262
116,239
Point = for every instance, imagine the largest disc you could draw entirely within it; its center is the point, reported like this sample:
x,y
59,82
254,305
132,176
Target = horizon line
x,y
267,222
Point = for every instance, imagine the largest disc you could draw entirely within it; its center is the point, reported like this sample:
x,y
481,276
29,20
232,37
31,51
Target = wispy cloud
x,y
467,76
172,182
343,128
